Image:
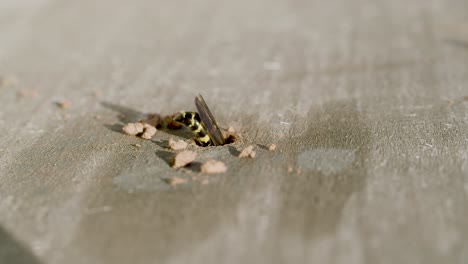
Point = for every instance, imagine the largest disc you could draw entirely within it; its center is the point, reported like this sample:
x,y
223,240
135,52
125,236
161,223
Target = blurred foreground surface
x,y
366,101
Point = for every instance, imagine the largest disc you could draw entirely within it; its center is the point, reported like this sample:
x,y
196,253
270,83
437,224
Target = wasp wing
x,y
208,121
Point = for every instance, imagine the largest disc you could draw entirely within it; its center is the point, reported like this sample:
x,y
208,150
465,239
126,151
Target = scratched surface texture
x,y
366,101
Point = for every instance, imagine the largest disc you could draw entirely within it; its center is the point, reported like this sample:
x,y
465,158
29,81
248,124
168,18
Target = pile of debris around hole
x,y
147,128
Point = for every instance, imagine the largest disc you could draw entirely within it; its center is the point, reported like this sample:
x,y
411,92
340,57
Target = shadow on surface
x,y
262,146
115,128
12,252
233,151
166,156
458,43
125,114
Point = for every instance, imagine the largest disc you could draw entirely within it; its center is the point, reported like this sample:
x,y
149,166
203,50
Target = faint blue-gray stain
x,y
327,161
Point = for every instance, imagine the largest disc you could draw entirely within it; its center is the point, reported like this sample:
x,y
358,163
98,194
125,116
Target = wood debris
x,y
183,159
297,170
97,94
64,104
213,166
149,131
272,147
205,182
176,181
133,129
202,179
8,81
177,145
27,94
247,152
145,131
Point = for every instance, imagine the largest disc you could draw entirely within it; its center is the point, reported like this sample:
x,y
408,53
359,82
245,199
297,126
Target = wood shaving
x,y
247,152
139,129
149,131
213,166
177,145
231,130
205,182
183,159
133,129
27,94
176,181
97,94
137,145
64,104
202,179
272,147
8,81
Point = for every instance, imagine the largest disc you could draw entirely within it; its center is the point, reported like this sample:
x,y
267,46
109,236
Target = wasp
x,y
202,124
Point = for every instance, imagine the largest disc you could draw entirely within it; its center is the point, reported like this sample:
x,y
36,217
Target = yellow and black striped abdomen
x,y
193,122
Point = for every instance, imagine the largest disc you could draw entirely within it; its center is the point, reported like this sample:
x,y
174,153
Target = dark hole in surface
x,y
230,139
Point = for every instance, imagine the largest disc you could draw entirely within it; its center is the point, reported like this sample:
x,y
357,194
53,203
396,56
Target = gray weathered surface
x,y
365,100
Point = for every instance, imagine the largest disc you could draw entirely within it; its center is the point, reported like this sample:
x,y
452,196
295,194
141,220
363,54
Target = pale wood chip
x,y
272,147
64,104
27,94
176,181
8,81
177,145
133,129
97,94
149,131
213,166
183,159
247,152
